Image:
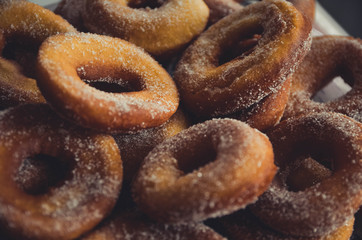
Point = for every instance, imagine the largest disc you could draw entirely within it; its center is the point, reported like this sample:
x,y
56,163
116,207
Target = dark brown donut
x,y
333,139
76,203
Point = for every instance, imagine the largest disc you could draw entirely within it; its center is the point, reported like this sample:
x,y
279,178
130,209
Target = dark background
x,y
348,13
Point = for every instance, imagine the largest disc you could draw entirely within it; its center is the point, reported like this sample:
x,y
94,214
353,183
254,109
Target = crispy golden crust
x,y
76,204
209,89
159,31
65,59
29,23
329,57
333,139
208,170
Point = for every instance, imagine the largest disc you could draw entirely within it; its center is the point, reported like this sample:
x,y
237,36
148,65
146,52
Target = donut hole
x,y
113,83
23,54
240,47
196,157
146,4
337,85
38,173
310,163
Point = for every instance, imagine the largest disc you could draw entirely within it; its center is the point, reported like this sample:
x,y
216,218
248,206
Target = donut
x,y
71,10
267,112
135,146
209,89
208,170
332,139
243,225
160,31
23,25
330,56
221,8
134,225
145,95
79,201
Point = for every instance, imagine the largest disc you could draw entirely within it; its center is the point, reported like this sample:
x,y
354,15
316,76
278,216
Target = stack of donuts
x,y
98,141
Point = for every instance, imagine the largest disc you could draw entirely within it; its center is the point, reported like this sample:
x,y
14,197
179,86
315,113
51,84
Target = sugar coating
x,y
234,179
211,90
110,59
82,200
158,31
322,208
330,56
133,225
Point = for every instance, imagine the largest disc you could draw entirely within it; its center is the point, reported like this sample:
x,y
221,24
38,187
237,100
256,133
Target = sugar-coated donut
x,y
208,170
65,62
78,202
133,225
210,89
159,31
243,225
221,8
135,146
26,24
330,56
334,140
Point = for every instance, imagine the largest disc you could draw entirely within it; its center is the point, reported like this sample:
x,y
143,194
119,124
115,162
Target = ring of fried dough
x,y
330,56
24,22
159,31
64,60
208,170
132,224
208,89
221,8
66,210
243,225
135,146
332,138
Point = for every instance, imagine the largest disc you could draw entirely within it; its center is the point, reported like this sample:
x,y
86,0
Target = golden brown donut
x,y
210,89
133,225
243,225
135,146
66,60
329,57
335,141
27,25
208,170
80,200
267,112
221,8
159,31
